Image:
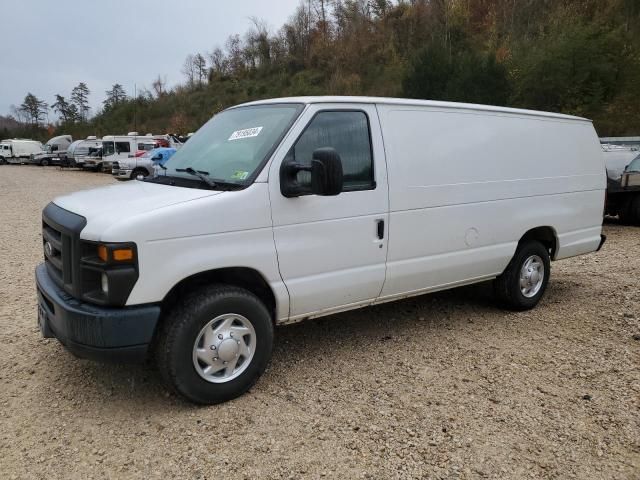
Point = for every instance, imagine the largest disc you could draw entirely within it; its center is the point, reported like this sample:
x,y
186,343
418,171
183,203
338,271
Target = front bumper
x,y
121,173
88,331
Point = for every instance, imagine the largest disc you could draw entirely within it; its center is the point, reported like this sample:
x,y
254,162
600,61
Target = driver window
x,y
348,133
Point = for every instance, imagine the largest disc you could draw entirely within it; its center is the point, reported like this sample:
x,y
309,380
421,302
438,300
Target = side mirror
x,y
326,175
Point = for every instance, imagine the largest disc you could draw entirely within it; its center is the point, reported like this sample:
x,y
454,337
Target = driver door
x,y
332,249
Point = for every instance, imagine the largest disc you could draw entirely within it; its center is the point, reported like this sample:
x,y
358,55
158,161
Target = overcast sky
x,y
49,46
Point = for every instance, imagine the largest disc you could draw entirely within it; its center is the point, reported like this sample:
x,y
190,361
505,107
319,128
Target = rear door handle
x,y
380,225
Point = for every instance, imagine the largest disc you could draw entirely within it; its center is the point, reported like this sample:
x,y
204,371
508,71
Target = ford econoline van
x,y
282,210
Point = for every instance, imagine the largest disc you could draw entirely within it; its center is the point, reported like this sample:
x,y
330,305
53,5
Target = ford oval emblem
x,y
48,249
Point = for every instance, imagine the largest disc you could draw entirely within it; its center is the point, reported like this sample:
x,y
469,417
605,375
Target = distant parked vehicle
x,y
54,153
623,182
116,148
144,165
80,149
18,150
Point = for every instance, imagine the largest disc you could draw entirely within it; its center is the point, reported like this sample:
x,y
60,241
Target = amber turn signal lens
x,y
123,254
102,253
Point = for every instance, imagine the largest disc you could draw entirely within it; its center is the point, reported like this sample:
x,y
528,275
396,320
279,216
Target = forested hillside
x,y
573,56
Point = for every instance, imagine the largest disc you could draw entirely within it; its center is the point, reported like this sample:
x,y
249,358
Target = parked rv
x,y
144,165
79,150
54,151
121,147
18,150
282,210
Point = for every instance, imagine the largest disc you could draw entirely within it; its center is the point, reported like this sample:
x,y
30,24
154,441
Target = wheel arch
x,y
546,235
243,277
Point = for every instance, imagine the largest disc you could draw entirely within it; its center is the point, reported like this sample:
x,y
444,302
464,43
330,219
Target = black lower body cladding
x,y
106,334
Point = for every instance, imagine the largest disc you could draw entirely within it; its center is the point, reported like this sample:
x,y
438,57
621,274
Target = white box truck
x,y
18,150
287,209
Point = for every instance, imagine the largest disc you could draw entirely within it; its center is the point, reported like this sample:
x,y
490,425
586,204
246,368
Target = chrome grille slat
x,y
50,235
58,260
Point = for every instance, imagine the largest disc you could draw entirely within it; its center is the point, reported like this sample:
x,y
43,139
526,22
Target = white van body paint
x,y
456,185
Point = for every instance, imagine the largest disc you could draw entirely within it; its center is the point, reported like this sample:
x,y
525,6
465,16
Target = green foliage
x,y
577,70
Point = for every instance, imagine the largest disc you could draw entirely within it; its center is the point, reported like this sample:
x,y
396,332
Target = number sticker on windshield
x,y
246,133
240,175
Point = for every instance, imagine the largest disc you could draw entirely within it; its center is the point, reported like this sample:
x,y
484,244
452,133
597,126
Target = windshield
x,y
634,166
232,146
108,148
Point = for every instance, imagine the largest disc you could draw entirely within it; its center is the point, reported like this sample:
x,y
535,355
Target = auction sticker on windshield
x,y
240,175
246,133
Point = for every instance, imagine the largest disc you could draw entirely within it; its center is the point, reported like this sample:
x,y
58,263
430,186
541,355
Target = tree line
x,y
578,57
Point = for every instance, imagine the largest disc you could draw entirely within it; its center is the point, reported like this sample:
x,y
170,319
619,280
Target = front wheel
x,y
524,281
44,162
135,173
214,345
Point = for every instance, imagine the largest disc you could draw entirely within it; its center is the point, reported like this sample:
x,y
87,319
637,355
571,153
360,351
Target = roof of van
x,y
415,103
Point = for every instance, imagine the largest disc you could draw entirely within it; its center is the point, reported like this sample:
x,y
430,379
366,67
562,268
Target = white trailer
x,y
18,150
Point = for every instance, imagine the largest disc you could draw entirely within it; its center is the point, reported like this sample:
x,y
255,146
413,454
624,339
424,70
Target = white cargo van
x,y
18,150
287,209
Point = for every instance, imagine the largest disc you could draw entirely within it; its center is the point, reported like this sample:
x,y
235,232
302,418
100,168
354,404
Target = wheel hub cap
x,y
228,349
224,348
531,276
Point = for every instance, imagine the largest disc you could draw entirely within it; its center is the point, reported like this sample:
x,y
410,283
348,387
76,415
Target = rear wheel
x,y
525,279
214,345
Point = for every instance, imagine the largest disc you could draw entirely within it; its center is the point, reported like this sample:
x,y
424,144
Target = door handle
x,y
380,227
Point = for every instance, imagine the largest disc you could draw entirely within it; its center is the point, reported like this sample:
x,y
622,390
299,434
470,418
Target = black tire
x,y
180,329
2,161
507,286
44,162
138,171
634,210
624,211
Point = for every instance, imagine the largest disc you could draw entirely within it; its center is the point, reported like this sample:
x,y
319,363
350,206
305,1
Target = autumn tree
x,y
159,86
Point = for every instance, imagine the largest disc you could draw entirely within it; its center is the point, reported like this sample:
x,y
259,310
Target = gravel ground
x,y
440,386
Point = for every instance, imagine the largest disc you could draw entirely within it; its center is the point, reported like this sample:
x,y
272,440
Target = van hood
x,y
109,204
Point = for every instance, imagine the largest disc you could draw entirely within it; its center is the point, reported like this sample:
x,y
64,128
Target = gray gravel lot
x,y
440,386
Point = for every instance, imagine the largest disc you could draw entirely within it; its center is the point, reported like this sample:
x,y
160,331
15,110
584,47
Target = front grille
x,y
55,253
61,245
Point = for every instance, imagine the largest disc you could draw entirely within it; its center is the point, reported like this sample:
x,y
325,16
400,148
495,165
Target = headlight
x,y
108,272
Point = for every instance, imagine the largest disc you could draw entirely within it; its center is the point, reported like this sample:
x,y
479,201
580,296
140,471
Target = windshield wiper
x,y
211,182
201,174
